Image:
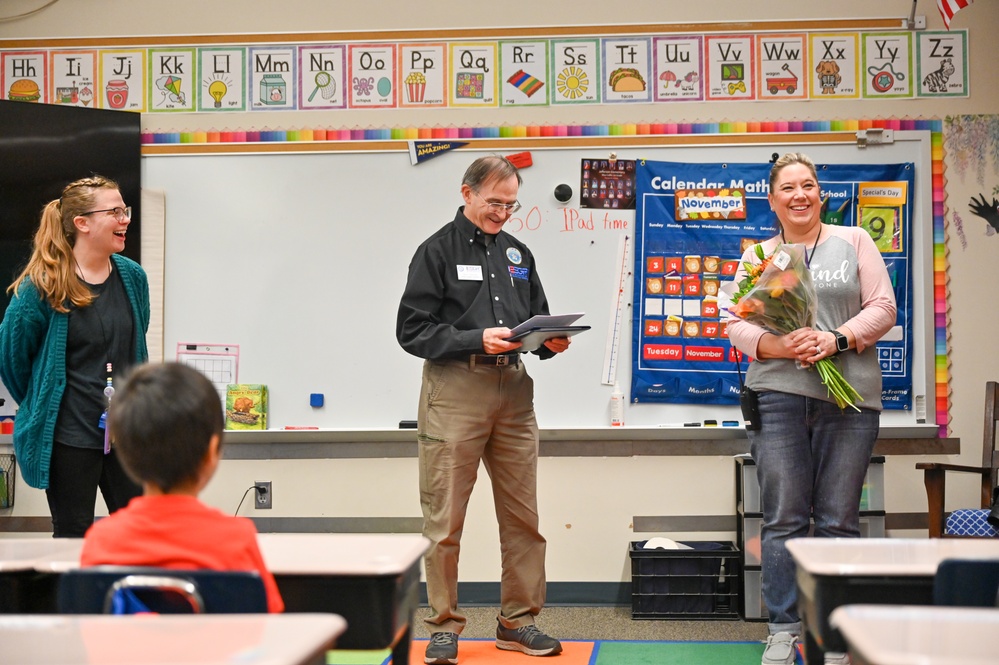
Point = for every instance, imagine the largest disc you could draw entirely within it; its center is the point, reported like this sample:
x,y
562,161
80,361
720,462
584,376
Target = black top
x,y
462,281
100,333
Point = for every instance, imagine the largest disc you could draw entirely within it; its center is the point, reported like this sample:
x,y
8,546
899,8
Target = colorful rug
x,y
609,652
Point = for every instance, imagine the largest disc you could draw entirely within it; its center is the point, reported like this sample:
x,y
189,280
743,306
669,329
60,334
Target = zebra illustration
x,y
936,81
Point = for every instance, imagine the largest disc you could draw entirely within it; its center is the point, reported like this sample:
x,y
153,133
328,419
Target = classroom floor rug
x,y
602,652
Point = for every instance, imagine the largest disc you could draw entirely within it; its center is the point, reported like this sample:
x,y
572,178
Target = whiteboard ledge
x,y
555,442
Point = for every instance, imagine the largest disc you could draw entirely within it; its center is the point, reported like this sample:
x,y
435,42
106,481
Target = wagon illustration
x,y
777,83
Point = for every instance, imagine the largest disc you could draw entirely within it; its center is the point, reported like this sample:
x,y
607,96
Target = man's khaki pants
x,y
467,414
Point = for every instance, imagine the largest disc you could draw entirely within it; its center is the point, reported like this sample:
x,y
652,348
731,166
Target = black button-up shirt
x,y
462,281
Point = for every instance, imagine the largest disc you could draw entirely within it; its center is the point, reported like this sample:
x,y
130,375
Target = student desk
x,y
207,639
29,570
372,580
51,554
841,571
909,635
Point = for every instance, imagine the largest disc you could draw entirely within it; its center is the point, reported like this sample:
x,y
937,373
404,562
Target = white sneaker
x,y
780,649
836,658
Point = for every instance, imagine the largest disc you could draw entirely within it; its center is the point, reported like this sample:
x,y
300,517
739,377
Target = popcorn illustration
x,y
416,86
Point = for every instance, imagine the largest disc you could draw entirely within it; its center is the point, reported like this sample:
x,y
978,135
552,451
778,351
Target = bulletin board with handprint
x,y
693,222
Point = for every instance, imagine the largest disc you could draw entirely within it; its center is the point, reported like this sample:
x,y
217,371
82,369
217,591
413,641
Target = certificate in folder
x,y
533,332
546,321
535,337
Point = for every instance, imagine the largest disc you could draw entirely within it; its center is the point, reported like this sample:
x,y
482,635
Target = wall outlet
x,y
262,494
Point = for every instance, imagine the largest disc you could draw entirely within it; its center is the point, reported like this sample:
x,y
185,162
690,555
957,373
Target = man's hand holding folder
x,y
547,328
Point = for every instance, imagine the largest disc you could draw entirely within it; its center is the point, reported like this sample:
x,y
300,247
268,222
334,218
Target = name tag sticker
x,y
470,273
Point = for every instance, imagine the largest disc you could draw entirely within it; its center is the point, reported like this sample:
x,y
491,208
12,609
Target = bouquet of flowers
x,y
778,294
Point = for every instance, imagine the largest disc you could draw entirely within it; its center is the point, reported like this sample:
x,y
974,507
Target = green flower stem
x,y
844,394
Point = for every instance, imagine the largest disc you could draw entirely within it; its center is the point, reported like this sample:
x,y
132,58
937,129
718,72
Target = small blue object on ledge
x,y
316,400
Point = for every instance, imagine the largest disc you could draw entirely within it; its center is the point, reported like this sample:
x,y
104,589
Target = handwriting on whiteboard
x,y
570,220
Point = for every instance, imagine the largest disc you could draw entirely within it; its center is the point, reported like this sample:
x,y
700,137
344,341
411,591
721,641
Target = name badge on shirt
x,y
470,273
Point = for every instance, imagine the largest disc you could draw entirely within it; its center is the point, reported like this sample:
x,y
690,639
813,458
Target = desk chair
x,y
966,583
934,477
114,589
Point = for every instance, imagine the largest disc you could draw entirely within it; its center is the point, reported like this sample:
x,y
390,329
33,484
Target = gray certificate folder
x,y
532,338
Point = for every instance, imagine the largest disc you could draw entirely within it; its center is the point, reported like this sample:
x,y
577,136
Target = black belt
x,y
501,360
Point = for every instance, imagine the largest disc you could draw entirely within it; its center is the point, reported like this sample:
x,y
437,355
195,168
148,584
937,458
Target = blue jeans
x,y
811,459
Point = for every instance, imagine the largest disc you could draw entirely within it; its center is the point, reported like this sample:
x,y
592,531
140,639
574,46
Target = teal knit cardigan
x,y
33,364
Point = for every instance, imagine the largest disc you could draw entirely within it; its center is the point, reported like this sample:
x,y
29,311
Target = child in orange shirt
x,y
166,424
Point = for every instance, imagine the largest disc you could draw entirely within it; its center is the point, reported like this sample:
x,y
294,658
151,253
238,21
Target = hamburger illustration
x,y
24,90
626,79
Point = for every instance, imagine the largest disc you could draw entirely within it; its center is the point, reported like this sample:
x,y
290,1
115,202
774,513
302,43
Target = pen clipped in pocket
x,y
749,402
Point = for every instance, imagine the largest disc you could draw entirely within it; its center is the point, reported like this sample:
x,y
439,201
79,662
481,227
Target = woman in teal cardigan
x,y
77,321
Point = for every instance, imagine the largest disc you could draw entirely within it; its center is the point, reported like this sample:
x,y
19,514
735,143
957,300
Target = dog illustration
x,y
829,77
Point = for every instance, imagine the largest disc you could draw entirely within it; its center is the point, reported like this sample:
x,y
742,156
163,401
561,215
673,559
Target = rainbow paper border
x,y
529,131
941,309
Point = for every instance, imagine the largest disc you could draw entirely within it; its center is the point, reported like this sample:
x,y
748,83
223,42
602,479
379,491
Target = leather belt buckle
x,y
501,360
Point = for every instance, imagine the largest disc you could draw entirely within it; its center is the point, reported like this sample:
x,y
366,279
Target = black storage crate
x,y
699,583
8,473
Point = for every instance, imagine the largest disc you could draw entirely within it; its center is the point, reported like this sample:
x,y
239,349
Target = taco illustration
x,y
626,79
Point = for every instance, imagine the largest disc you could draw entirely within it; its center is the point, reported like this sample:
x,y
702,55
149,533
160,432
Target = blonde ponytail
x,y
52,266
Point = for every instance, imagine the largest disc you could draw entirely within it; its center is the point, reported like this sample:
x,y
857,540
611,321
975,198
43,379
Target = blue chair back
x,y
133,589
967,583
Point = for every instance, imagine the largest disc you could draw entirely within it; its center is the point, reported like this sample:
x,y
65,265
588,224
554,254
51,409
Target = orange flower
x,y
747,307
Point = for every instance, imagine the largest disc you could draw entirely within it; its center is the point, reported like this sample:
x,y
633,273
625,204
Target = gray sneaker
x,y
527,639
780,649
442,650
836,658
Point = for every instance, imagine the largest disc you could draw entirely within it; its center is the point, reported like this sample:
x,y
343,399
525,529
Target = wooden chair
x,y
128,589
934,473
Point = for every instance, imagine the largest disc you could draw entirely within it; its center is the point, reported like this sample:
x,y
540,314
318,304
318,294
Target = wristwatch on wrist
x,y
842,343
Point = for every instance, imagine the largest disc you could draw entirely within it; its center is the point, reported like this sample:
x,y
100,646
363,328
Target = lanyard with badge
x,y
103,422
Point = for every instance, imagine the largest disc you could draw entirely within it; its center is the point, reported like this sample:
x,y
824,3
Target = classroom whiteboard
x,y
300,259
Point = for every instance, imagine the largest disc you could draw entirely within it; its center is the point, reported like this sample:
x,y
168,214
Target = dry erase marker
x,y
711,423
692,424
730,423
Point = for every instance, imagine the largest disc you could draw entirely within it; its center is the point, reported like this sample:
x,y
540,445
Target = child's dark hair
x,y
161,421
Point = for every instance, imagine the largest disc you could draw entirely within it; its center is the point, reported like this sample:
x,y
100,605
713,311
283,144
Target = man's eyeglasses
x,y
500,207
119,213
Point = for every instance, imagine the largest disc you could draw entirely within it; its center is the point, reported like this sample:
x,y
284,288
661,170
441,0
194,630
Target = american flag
x,y
950,7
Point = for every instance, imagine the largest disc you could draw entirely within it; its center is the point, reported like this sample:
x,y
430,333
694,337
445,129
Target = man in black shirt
x,y
468,285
